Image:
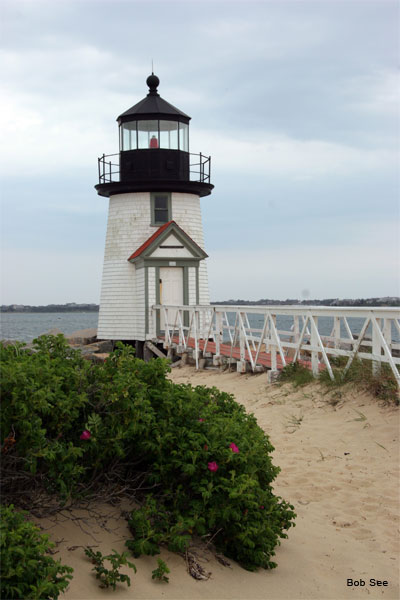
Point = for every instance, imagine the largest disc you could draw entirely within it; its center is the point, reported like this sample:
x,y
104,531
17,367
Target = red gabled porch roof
x,y
151,239
156,234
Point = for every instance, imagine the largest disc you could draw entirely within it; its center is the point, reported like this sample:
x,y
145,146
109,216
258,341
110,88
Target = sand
x,y
340,468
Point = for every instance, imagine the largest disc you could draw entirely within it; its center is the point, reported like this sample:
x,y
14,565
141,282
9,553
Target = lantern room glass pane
x,y
147,134
128,136
184,137
169,135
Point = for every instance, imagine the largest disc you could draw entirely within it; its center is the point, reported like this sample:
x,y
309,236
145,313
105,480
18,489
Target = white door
x,y
171,291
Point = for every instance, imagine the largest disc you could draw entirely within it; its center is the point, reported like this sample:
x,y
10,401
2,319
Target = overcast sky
x,y
296,102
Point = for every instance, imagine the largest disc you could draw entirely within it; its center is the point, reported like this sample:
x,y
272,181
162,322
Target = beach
x,y
339,459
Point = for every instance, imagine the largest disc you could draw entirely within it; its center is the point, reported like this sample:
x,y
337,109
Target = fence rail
x,y
255,331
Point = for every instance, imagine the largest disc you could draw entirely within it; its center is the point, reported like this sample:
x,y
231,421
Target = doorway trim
x,y
185,294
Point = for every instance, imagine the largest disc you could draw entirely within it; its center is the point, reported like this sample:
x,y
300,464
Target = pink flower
x,y
212,466
85,435
261,506
234,448
200,420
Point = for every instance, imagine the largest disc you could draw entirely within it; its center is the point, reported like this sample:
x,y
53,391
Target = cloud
x,y
345,270
59,105
55,63
46,277
377,92
272,34
284,155
294,101
41,141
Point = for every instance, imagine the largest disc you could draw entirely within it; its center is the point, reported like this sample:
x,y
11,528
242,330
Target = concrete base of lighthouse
x,y
130,289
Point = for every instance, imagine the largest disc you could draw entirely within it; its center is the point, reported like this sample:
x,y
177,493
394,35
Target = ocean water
x,y
285,323
24,327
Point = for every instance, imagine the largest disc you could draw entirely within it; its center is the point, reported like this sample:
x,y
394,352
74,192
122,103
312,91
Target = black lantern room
x,y
154,151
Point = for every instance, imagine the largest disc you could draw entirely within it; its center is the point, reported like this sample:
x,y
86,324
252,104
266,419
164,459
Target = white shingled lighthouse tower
x,y
154,252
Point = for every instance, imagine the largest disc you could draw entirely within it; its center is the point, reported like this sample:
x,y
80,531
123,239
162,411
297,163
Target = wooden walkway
x,y
264,358
313,334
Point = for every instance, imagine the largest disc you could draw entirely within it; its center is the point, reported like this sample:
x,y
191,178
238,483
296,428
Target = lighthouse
x,y
154,249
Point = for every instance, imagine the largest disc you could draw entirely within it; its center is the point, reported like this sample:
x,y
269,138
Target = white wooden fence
x,y
378,337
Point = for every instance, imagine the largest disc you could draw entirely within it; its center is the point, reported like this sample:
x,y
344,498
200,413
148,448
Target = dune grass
x,y
382,384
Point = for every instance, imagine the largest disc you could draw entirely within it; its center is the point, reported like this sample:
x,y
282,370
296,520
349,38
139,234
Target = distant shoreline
x,y
392,301
50,308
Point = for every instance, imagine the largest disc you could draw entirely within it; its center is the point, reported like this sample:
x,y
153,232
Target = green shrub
x,y
204,462
51,397
26,570
44,396
212,463
160,573
110,577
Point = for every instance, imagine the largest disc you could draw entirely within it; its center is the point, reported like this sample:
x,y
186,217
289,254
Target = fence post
x,y
196,339
296,329
376,348
200,320
387,333
314,353
274,365
218,333
267,335
336,332
241,365
154,321
181,319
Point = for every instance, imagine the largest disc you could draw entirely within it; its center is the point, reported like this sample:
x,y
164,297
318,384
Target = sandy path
x,y
339,460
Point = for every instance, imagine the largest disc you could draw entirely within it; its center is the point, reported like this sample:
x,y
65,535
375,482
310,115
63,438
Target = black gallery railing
x,y
109,168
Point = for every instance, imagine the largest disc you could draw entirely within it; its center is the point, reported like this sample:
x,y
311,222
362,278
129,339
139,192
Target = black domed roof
x,y
153,82
153,106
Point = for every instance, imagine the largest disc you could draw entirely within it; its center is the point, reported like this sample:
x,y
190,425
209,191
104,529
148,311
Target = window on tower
x,y
169,135
128,136
160,208
184,137
147,131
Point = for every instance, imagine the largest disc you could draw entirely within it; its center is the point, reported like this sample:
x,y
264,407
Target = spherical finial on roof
x,y
153,82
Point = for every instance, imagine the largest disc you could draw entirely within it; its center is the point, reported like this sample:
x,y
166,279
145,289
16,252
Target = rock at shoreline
x,y
83,337
91,348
